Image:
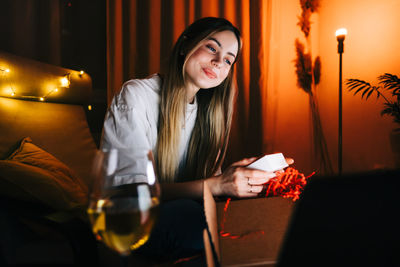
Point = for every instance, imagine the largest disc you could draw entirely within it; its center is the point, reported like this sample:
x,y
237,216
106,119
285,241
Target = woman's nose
x,y
216,61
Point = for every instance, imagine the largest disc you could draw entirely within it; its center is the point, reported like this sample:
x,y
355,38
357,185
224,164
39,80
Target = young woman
x,y
184,117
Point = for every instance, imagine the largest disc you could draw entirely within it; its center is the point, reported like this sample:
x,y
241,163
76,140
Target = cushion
x,y
34,175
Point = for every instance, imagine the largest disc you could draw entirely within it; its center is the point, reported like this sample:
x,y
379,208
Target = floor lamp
x,y
340,35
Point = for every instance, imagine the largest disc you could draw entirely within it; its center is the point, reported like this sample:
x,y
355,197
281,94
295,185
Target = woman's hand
x,y
239,181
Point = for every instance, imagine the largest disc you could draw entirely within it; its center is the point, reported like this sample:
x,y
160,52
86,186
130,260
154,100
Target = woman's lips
x,y
210,74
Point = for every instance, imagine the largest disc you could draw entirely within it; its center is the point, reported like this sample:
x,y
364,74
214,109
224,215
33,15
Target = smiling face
x,y
209,64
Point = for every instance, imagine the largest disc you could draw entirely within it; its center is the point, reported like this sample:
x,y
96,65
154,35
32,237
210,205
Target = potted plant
x,y
388,84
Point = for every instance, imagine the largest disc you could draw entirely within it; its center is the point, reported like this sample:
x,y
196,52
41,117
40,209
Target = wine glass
x,y
124,201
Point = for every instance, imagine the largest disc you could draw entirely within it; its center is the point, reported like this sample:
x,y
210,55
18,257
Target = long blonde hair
x,y
208,143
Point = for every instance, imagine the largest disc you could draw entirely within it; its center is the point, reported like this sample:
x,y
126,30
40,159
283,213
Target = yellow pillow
x,y
34,175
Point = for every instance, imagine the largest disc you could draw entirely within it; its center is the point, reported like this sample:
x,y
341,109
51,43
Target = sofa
x,y
46,153
46,149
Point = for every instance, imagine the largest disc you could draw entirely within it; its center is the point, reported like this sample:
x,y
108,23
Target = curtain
x,y
140,36
31,29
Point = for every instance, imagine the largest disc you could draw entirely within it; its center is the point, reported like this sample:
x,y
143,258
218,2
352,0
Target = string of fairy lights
x,y
64,82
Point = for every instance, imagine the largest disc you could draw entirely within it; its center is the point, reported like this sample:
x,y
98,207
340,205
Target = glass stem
x,y
124,261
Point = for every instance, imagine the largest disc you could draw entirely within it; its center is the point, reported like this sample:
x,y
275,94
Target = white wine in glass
x,y
123,205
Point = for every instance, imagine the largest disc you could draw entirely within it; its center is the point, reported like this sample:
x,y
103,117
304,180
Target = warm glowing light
x,y
11,92
65,81
342,32
81,72
89,107
50,92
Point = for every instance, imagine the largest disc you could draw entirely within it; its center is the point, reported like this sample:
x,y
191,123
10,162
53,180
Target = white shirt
x,y
131,122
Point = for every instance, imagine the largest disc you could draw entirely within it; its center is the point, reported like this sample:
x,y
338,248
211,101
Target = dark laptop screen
x,y
351,220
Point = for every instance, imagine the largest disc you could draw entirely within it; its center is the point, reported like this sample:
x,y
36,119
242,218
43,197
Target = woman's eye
x,y
227,61
211,48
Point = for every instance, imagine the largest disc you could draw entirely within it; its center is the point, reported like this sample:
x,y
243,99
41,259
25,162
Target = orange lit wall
x,y
372,47
288,117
